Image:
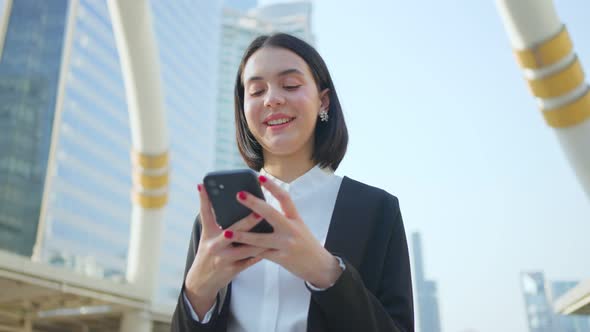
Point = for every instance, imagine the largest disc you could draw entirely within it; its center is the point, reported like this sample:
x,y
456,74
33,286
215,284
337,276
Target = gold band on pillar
x,y
571,114
148,181
150,161
546,53
559,83
150,201
149,190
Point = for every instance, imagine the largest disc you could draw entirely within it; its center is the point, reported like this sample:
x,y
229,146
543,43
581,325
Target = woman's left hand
x,y
291,245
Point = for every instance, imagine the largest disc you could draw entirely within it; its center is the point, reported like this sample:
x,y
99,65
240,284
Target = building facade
x,y
238,30
65,169
426,291
539,296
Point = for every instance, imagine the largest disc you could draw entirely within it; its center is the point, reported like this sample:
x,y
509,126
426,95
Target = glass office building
x,y
539,294
239,29
29,74
72,176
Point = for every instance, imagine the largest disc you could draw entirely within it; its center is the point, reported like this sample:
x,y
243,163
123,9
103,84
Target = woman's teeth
x,y
278,122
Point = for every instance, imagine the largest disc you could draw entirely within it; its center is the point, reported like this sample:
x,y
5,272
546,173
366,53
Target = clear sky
x,y
439,115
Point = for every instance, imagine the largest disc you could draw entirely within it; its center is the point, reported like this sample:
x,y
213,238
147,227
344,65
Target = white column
x,y
554,74
136,321
136,45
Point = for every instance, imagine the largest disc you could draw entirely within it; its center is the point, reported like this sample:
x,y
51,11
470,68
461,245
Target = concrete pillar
x,y
554,74
138,52
135,321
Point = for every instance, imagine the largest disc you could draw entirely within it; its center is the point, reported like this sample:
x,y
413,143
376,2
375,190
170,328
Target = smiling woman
x,y
337,259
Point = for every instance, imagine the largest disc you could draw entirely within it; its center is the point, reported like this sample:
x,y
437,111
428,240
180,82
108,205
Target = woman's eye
x,y
256,93
291,87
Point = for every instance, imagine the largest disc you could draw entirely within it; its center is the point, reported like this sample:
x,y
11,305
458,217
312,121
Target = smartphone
x,y
223,187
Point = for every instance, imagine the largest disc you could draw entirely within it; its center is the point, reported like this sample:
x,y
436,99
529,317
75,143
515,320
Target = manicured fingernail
x,y
228,234
256,215
262,178
199,187
242,195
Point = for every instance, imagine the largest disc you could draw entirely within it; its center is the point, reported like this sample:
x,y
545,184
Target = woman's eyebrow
x,y
282,73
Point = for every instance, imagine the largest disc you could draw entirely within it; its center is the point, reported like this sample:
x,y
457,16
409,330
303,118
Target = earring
x,y
324,115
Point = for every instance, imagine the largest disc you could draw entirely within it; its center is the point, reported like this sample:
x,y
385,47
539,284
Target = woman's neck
x,y
287,168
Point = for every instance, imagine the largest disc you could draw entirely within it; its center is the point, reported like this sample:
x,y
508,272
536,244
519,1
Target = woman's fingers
x,y
238,253
225,238
246,223
281,195
262,208
207,217
262,240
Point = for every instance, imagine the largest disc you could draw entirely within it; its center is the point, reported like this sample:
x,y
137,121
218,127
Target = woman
x,y
337,259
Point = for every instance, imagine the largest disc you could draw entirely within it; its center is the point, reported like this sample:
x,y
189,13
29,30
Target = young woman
x,y
338,258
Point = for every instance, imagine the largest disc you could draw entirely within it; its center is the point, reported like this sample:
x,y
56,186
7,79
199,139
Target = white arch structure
x,y
554,74
555,77
136,45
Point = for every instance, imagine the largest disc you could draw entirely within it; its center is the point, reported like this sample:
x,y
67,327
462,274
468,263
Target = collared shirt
x,y
266,297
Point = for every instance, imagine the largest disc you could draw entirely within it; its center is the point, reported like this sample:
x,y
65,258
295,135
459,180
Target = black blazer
x,y
374,293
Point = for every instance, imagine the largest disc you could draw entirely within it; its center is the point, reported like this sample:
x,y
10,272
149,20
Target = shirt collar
x,y
306,183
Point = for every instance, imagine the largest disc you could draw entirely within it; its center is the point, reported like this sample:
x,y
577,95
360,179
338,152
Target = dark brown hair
x,y
331,138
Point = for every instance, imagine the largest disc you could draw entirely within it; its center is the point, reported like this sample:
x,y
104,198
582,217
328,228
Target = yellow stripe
x,y
150,161
569,115
150,202
546,53
560,83
150,181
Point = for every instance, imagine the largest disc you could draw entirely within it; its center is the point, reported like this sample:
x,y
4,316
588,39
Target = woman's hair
x,y
331,138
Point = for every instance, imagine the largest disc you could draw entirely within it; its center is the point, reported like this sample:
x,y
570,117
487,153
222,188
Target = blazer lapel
x,y
349,227
347,235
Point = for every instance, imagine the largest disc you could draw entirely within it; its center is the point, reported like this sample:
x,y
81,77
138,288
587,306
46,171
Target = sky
x,y
439,115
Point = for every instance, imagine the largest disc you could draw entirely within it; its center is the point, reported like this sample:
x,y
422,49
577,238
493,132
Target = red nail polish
x,y
262,178
256,215
199,187
228,234
242,195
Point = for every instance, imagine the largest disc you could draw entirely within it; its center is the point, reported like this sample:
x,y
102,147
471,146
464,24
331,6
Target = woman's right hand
x,y
217,261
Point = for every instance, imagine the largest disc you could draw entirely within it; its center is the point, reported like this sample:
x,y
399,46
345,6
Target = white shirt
x,y
266,297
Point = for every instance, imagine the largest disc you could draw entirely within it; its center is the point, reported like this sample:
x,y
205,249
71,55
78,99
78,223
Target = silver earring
x,y
324,116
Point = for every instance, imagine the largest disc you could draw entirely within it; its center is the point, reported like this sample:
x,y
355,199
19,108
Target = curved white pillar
x,y
554,75
138,52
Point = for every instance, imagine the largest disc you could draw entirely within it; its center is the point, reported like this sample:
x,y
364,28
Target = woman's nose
x,y
273,99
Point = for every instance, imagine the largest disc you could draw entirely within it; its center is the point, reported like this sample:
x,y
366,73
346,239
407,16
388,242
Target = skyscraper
x,y
29,74
539,294
238,30
426,292
65,136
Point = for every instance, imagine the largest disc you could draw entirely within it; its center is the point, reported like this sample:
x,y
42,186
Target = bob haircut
x,y
330,138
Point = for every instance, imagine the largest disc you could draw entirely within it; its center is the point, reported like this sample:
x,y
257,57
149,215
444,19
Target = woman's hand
x,y
217,262
291,245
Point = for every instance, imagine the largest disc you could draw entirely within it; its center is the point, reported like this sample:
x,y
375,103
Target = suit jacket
x,y
374,293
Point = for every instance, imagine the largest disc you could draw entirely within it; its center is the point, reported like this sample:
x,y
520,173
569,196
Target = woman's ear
x,y
325,99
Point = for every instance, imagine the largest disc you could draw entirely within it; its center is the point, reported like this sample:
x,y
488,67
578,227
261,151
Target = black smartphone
x,y
223,187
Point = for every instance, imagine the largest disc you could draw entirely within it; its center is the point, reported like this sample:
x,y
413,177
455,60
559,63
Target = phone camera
x,y
215,191
221,186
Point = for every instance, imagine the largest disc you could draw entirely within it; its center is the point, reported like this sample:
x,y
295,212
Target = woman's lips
x,y
280,126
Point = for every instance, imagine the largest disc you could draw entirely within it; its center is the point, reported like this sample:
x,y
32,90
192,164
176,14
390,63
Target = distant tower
x,y
428,313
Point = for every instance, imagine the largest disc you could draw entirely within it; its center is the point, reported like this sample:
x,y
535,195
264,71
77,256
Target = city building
x,y
238,30
65,169
426,291
540,296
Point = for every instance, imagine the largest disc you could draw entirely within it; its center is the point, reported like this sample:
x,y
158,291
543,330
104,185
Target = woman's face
x,y
281,101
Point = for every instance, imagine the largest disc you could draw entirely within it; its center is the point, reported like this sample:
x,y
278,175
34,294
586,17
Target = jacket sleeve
x,y
182,320
349,306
